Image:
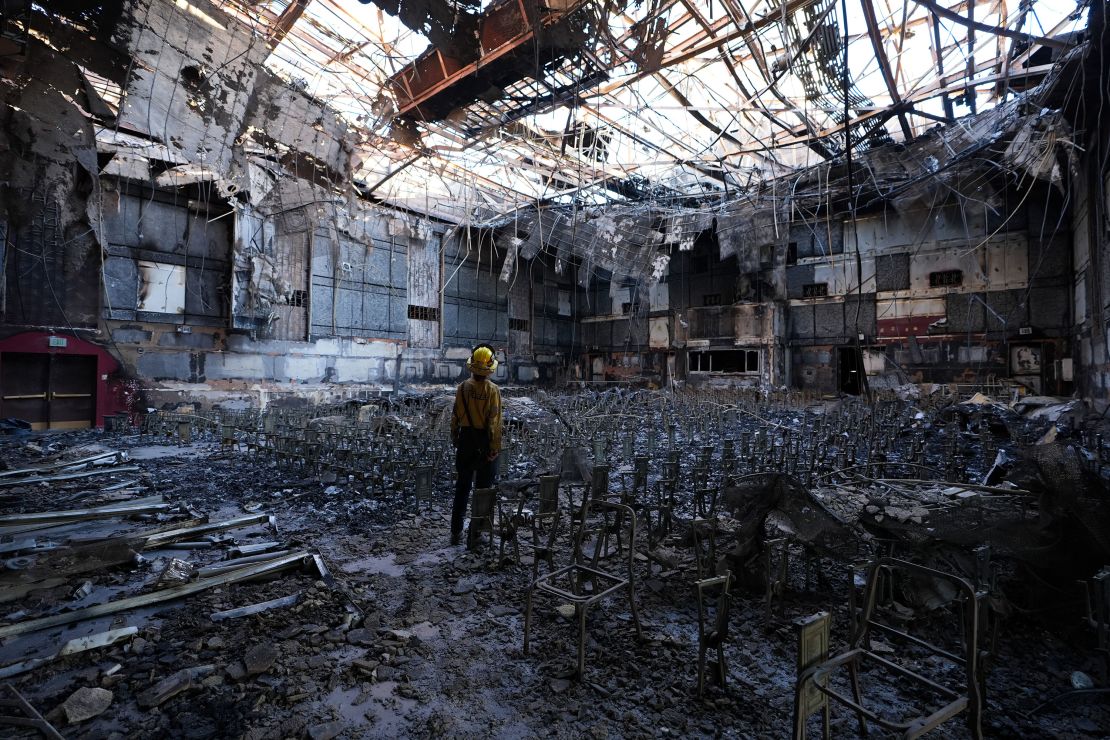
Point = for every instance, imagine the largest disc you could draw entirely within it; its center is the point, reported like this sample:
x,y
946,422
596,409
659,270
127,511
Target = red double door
x,y
51,391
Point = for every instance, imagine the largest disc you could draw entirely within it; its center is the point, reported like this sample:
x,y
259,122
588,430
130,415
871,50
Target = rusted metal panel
x,y
501,24
505,33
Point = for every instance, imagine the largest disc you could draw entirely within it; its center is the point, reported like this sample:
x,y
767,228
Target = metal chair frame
x,y
578,573
969,699
714,638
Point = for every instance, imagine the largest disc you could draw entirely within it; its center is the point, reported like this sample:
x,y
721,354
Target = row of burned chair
x,y
601,530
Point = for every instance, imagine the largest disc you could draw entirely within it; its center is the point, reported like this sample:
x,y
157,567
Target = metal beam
x,y
933,91
987,28
285,21
884,64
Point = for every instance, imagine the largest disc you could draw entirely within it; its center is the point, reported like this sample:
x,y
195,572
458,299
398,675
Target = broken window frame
x,y
701,361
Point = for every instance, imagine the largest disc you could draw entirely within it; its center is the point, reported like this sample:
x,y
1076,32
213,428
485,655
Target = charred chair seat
x,y
967,697
583,583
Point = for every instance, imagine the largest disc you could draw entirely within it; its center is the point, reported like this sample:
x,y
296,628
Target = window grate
x,y
815,290
423,313
946,278
518,324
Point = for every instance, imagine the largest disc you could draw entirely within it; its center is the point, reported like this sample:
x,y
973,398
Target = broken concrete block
x,y
86,703
259,658
173,685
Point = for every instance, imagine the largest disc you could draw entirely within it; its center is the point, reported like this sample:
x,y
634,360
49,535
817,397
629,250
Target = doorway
x,y
849,370
50,391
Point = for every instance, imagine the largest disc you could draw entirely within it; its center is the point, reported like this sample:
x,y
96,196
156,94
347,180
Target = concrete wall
x,y
217,248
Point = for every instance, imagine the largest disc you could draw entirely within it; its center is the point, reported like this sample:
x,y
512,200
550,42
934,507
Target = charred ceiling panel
x,y
192,78
819,64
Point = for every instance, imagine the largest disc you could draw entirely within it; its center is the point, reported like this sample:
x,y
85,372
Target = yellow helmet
x,y
482,361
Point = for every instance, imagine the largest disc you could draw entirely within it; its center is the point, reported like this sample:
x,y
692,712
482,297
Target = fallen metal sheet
x,y
253,549
18,546
23,529
137,538
180,534
156,597
217,568
172,685
322,569
70,476
121,456
246,611
78,515
59,565
73,647
102,639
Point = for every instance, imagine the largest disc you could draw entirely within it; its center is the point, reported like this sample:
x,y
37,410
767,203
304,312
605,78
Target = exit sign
x,y
57,341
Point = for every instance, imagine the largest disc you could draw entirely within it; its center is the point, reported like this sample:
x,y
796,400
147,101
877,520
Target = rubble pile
x,y
281,574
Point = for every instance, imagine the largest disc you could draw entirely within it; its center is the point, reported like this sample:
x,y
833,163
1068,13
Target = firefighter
x,y
475,432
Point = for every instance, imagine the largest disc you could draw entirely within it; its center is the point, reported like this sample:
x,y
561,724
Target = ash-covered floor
x,y
380,628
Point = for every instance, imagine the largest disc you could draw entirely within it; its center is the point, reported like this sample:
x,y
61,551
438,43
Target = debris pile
x,y
288,570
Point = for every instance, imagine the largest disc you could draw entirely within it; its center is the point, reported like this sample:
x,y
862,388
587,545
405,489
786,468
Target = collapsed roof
x,y
466,113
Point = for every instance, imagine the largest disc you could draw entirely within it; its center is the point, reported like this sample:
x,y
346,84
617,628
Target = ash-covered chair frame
x,y
579,572
968,698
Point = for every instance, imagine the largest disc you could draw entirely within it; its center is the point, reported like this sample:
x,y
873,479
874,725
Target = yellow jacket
x,y
478,405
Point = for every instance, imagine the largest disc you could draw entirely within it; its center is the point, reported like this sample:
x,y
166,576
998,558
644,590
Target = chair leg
x,y
701,670
528,616
581,641
857,696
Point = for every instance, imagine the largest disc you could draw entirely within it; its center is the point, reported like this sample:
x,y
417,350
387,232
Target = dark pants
x,y
469,466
